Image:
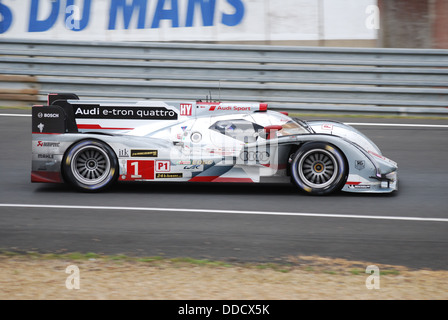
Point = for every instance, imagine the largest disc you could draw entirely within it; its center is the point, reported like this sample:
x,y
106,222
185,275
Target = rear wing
x,y
55,117
66,113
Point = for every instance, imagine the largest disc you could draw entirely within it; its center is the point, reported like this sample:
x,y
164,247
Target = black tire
x,y
90,165
319,168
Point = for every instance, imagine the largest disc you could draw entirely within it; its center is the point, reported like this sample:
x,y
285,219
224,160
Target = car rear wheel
x,y
319,168
90,165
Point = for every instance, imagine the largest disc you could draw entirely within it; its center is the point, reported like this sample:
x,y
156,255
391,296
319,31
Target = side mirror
x,y
271,131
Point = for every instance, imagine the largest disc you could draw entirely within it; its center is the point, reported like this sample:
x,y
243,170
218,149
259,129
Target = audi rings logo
x,y
259,156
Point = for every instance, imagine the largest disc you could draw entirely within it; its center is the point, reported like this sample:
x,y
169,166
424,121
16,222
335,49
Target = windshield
x,y
289,126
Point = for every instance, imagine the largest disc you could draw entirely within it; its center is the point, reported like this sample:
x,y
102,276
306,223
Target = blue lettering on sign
x,y
123,10
166,14
234,19
127,10
6,16
206,7
207,10
36,25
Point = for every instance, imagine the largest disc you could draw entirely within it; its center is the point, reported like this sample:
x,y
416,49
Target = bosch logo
x,y
41,115
51,115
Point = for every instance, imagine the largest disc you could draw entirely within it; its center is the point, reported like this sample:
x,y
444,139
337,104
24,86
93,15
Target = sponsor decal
x,y
221,151
241,108
207,162
48,119
47,115
168,175
144,153
186,109
229,108
48,144
327,126
193,167
45,156
195,162
358,186
163,166
360,164
133,113
123,153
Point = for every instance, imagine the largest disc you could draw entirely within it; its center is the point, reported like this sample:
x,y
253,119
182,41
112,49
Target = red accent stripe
x,y
44,176
273,166
353,183
203,178
97,127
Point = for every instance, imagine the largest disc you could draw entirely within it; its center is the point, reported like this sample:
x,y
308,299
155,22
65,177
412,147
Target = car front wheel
x,y
319,168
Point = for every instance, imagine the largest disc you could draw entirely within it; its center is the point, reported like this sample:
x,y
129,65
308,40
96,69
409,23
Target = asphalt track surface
x,y
237,222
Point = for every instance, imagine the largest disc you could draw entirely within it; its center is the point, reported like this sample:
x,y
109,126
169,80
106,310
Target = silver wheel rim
x,y
90,165
318,168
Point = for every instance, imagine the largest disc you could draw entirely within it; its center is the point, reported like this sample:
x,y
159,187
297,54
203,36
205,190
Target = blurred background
x,y
354,23
353,56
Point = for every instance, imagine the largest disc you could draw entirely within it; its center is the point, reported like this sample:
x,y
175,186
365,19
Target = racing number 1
x,y
135,175
139,170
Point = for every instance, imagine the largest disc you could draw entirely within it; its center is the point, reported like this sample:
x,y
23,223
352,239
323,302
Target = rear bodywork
x,y
197,141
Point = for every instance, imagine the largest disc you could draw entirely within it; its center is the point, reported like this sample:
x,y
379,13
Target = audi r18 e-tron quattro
x,y
92,144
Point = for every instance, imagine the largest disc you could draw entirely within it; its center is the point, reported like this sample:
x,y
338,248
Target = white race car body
x,y
91,144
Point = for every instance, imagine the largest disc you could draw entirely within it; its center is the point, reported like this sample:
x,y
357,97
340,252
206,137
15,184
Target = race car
x,y
92,144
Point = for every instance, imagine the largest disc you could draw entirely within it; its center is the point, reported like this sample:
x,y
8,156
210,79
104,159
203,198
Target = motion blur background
x,y
351,56
354,23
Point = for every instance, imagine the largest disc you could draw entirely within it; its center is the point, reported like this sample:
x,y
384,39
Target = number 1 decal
x,y
135,175
138,170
